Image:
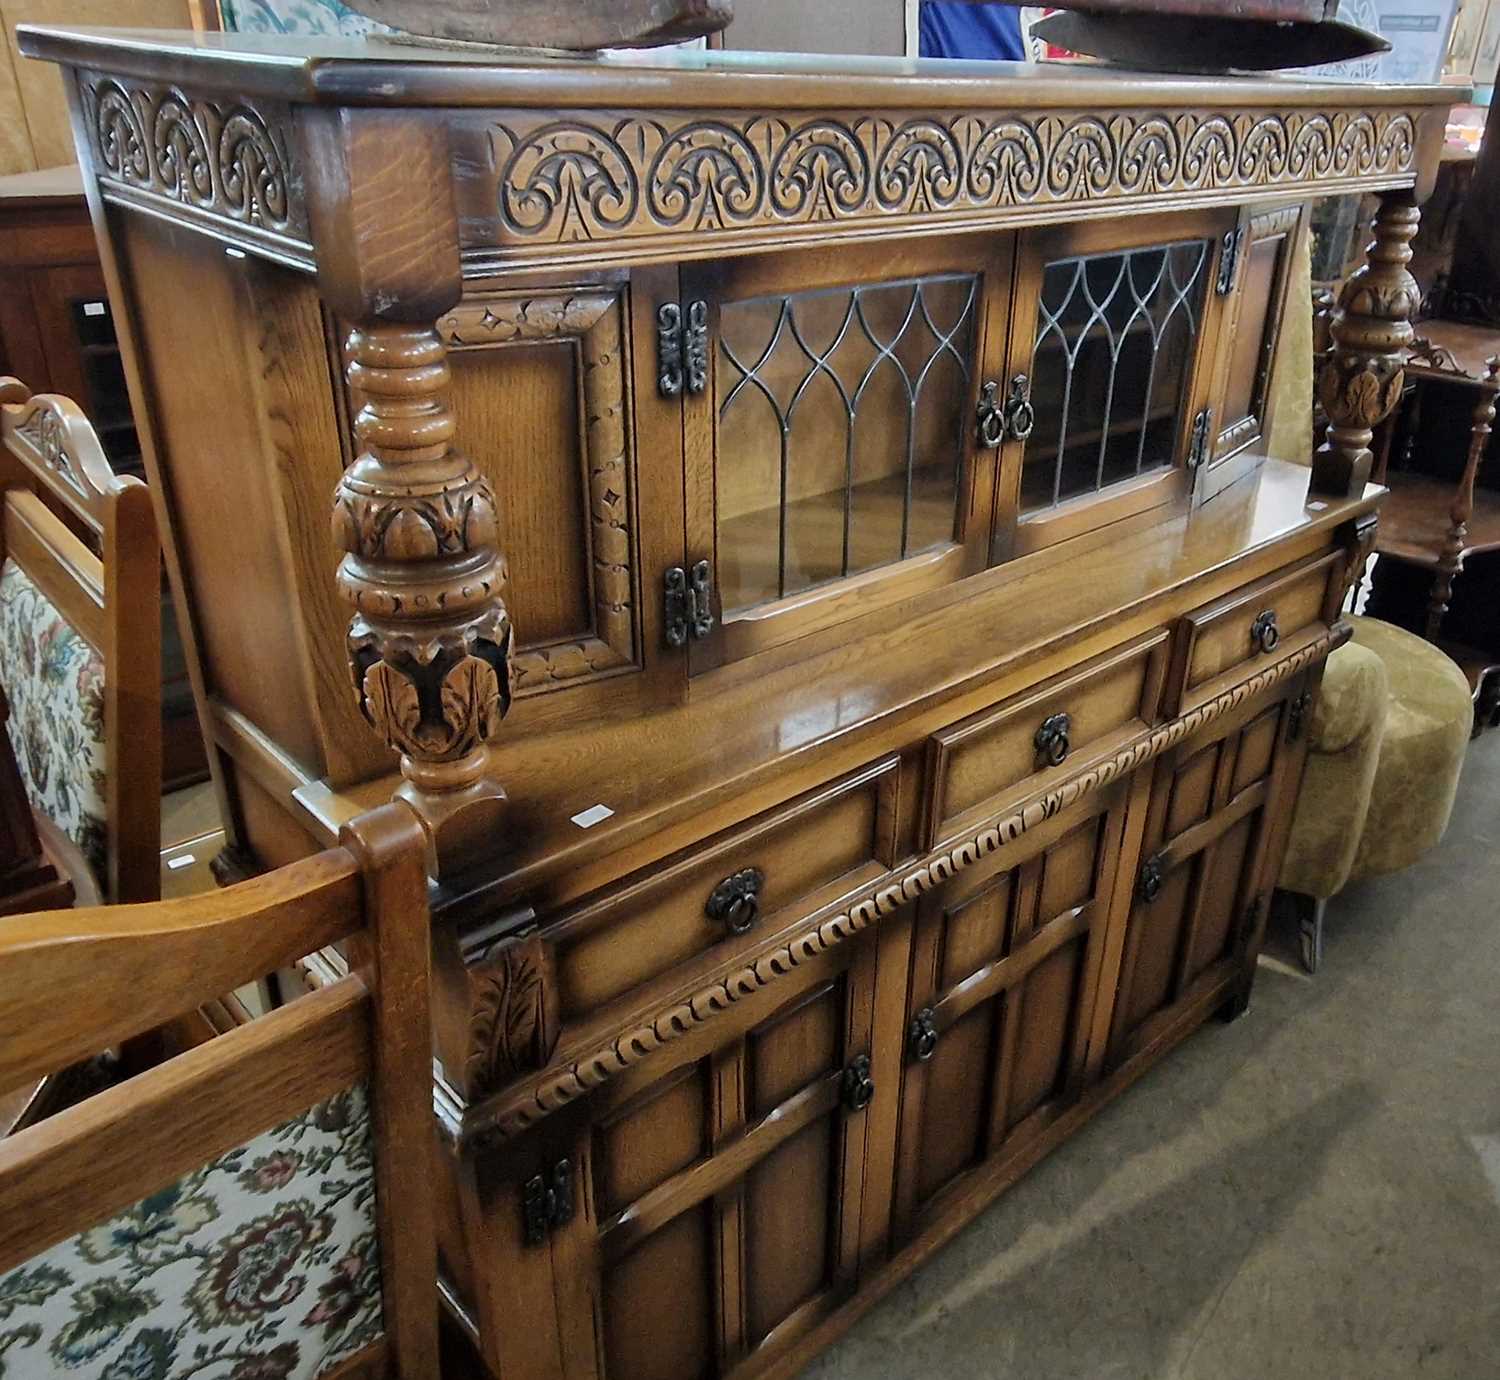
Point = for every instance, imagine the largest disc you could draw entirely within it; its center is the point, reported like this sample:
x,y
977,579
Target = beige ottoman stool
x,y
1388,739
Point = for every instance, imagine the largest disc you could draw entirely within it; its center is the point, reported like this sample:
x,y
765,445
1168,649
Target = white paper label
x,y
595,814
94,309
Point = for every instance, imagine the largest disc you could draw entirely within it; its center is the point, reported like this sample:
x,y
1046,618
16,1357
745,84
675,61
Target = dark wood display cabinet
x,y
811,553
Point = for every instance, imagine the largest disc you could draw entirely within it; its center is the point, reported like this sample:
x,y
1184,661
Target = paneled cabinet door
x,y
842,414
1215,829
1005,967
1255,275
722,1183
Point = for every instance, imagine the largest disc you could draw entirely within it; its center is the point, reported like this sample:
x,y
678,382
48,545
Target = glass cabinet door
x,y
1110,327
831,454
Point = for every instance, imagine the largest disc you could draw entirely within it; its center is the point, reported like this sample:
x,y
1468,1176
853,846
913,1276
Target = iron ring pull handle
x,y
858,1088
1153,878
1265,636
1051,739
1020,415
992,418
922,1035
735,902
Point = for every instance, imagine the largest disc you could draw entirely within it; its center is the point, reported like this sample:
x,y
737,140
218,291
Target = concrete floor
x,y
1313,1191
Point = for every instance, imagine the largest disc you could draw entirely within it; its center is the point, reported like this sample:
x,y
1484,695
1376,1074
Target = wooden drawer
x,y
1229,641
792,859
973,764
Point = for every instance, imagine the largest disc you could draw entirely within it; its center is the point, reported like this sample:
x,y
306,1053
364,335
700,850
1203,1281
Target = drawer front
x,y
1231,640
1026,743
727,894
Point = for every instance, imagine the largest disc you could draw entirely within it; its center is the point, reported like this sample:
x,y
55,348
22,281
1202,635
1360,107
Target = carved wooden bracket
x,y
429,646
513,1022
1371,328
1358,538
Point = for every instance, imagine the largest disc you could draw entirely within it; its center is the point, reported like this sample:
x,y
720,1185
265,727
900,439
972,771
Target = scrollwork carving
x,y
227,161
706,173
596,177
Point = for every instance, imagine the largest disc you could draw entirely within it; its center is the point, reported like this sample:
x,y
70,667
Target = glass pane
x,y
1114,342
841,430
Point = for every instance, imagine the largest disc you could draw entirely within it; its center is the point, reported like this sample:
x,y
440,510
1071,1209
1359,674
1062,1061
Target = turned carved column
x,y
1451,559
429,638
1361,381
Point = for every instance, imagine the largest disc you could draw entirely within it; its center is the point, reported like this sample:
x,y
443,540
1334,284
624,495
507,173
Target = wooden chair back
x,y
107,590
231,1198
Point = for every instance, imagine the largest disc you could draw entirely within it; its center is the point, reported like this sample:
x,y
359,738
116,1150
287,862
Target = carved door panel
x,y
834,460
1213,839
1253,275
555,400
1005,968
721,1187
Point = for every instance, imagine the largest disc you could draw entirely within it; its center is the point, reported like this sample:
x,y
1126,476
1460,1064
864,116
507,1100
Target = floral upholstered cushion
x,y
260,1266
55,683
315,17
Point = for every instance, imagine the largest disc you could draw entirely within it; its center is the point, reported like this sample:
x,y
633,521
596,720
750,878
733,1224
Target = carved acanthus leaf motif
x,y
513,1024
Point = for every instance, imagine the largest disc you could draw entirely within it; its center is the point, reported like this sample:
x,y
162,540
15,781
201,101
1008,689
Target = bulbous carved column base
x,y
1361,382
429,646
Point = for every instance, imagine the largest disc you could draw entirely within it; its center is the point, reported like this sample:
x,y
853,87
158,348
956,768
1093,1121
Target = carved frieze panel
x,y
633,183
225,161
591,320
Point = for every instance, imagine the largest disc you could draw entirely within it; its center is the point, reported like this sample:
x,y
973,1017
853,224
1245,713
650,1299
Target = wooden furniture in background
x,y
57,332
1442,519
108,596
30,875
810,557
327,1097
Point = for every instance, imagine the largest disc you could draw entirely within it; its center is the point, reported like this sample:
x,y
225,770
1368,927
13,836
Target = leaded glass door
x,y
1110,344
832,458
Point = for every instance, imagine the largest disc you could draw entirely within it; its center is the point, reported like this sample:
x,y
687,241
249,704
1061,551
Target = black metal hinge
x,y
1198,446
1299,711
547,1202
688,602
1229,260
1153,877
857,1087
681,348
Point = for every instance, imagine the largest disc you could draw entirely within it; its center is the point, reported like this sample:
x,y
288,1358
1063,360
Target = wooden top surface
x,y
45,186
822,715
1471,347
1417,517
386,72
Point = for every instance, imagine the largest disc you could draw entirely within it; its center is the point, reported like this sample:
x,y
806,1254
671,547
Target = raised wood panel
x,y
1009,1027
1208,837
658,1306
216,466
721,1196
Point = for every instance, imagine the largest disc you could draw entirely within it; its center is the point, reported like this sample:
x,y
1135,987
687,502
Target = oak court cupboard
x,y
802,529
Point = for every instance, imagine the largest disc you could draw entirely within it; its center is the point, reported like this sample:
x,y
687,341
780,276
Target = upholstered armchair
x,y
1388,736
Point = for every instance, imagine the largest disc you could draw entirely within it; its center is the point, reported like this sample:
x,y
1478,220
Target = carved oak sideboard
x,y
802,545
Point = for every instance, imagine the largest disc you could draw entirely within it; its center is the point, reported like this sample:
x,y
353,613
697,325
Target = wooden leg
x,y
1450,561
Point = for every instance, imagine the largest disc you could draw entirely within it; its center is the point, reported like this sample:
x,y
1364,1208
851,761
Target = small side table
x,y
1433,523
